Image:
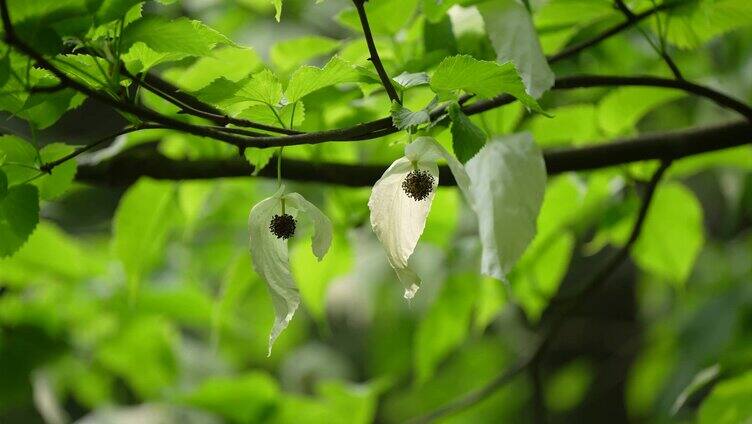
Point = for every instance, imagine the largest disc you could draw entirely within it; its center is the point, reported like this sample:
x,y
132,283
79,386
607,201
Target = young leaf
x,y
467,138
19,215
180,36
308,79
264,87
515,39
508,182
482,77
403,117
258,158
408,80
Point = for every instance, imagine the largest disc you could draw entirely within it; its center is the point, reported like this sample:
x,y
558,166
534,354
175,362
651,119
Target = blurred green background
x,y
668,340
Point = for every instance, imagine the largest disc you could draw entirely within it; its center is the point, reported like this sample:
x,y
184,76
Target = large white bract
x,y
399,220
270,257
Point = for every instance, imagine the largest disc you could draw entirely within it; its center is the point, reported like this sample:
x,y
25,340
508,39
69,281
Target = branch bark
x,y
375,59
127,168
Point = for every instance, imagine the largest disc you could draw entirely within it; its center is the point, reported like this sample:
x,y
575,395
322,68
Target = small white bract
x,y
269,251
398,216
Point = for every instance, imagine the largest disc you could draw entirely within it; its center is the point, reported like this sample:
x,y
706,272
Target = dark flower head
x,y
283,226
418,184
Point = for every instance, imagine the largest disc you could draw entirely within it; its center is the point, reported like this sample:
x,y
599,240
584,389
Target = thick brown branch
x,y
662,146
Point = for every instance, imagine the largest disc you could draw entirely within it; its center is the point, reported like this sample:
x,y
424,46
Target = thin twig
x,y
576,48
375,59
49,166
659,49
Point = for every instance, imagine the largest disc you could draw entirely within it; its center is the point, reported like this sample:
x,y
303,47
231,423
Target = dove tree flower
x,y
271,223
401,200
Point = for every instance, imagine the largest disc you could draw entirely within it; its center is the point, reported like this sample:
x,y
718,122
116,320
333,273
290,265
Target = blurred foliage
x,y
141,306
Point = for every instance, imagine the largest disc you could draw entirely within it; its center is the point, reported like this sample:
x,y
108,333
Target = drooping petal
x,y
271,262
508,183
322,226
425,150
398,220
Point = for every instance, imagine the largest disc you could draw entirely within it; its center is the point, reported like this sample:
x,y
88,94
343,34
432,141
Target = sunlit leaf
x,y
481,77
511,30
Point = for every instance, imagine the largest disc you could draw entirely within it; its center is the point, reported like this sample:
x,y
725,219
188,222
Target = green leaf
x,y
445,325
258,158
621,109
247,398
20,162
308,79
19,215
61,177
467,138
288,54
408,80
146,214
265,115
728,403
436,10
515,39
386,17
403,117
694,23
482,77
111,10
181,36
231,63
264,87
672,235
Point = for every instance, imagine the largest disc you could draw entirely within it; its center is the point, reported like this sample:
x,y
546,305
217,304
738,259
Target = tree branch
x,y
193,106
375,59
593,285
574,49
127,168
582,81
49,166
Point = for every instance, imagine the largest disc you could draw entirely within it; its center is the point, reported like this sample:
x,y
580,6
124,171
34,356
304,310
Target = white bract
x,y
397,219
269,253
508,184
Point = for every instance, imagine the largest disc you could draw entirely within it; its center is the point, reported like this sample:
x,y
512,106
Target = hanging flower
x,y
271,223
401,199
